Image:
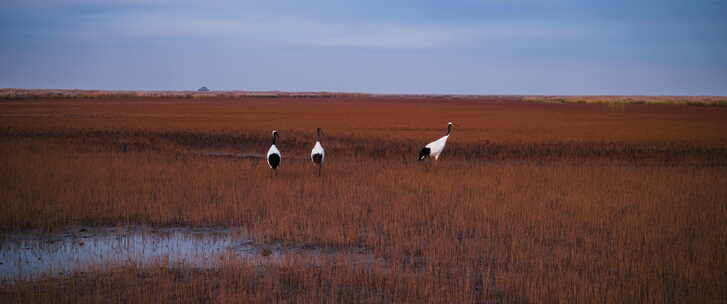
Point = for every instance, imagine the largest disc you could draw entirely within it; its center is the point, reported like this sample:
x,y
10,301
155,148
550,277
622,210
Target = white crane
x,y
274,156
318,154
435,148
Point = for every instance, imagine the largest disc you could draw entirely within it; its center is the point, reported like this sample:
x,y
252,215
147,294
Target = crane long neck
x,y
318,134
275,137
449,129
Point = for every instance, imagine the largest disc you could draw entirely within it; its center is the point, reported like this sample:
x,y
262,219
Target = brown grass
x,y
530,202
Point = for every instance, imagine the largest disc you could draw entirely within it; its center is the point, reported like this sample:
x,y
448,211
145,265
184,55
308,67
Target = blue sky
x,y
650,47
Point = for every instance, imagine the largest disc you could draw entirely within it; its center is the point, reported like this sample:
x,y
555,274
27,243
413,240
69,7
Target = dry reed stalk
x,y
569,203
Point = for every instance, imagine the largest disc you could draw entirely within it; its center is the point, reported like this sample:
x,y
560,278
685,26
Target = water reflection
x,y
30,254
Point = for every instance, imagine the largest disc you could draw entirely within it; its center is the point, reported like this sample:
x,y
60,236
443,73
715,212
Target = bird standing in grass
x,y
274,156
435,148
318,154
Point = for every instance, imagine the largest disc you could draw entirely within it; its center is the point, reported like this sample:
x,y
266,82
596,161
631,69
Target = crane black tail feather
x,y
274,161
424,153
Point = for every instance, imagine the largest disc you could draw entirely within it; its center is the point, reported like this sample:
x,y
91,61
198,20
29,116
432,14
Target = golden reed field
x,y
530,202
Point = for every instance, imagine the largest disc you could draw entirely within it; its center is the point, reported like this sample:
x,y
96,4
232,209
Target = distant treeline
x,y
25,94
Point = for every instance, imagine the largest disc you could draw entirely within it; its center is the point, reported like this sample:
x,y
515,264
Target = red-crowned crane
x,y
435,148
318,154
274,156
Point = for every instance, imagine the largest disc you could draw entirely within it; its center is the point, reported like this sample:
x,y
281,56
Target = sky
x,y
550,47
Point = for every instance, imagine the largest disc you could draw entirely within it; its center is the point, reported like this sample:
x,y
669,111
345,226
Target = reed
x,y
628,207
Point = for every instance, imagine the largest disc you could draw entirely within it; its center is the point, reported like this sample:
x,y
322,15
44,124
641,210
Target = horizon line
x,y
4,91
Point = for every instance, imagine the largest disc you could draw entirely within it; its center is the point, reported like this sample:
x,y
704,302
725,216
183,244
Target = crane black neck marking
x,y
275,137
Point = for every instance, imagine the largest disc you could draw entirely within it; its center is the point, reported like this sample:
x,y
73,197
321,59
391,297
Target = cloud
x,y
262,29
62,3
249,24
291,31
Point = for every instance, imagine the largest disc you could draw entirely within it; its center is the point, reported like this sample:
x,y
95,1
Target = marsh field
x,y
529,203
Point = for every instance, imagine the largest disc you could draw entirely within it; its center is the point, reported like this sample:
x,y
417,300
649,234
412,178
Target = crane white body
x,y
318,149
434,149
273,150
274,157
318,154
